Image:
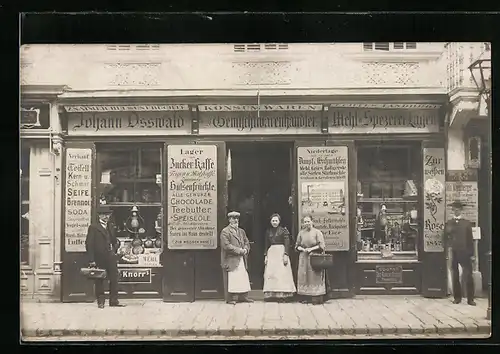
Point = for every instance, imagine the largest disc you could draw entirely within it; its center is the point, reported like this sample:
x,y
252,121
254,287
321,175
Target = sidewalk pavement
x,y
361,316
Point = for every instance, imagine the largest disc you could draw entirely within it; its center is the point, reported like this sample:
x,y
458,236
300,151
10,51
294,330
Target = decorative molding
x,y
125,108
133,74
262,73
399,74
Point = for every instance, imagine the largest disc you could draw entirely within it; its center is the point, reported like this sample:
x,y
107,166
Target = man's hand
x,y
265,260
473,259
301,249
245,251
92,264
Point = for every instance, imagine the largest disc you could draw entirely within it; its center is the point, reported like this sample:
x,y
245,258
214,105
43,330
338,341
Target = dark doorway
x,y
260,185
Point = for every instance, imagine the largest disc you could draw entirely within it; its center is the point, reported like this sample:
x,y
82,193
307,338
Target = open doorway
x,y
260,185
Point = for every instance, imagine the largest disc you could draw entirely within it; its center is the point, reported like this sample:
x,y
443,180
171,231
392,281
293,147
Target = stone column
x,y
56,149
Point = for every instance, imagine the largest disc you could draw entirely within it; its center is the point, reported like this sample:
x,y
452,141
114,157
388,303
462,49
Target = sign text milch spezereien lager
x,y
344,120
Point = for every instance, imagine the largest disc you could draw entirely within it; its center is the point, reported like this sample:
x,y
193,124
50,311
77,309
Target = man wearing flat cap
x,y
459,238
101,245
234,251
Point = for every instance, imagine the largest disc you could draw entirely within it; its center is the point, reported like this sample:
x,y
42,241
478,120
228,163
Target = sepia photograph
x,y
251,191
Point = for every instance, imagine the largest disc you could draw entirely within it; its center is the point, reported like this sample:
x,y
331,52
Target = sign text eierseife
x,y
192,196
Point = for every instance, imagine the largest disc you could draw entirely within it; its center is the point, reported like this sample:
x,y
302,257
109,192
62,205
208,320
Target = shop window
x,y
25,205
130,185
387,199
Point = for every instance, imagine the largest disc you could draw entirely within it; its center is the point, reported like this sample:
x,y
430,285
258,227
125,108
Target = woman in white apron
x,y
278,279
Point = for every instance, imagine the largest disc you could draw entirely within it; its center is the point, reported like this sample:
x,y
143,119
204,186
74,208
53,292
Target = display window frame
x,y
400,239
140,246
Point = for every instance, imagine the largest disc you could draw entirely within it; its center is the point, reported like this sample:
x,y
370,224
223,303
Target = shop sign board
x,y
259,119
100,123
78,198
462,186
346,120
192,196
434,199
389,274
134,275
323,192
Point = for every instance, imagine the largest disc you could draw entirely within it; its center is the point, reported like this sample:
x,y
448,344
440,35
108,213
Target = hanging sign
x,y
323,192
259,119
434,199
129,123
462,186
78,198
344,120
192,196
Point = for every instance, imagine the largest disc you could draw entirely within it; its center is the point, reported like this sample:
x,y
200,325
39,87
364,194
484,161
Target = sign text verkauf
x,y
192,196
78,198
434,199
323,192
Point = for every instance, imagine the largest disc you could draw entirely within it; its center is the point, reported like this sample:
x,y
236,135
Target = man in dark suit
x,y
102,245
234,251
459,238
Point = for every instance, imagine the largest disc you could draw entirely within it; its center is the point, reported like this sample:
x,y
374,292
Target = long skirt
x,y
237,280
278,278
309,281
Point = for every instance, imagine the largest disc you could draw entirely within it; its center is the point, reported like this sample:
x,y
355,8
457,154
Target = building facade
x,y
357,135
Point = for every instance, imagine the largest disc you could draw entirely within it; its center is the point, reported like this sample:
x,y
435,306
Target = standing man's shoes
x,y
247,300
471,303
100,305
457,301
116,304
232,302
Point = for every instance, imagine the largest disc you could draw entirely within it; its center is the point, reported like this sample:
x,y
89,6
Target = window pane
x,y
399,45
382,46
367,46
411,45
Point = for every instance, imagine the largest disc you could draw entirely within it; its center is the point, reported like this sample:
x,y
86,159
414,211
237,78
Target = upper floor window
x,y
388,46
242,48
25,204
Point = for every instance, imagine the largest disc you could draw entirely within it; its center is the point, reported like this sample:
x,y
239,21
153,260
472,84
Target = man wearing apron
x,y
234,252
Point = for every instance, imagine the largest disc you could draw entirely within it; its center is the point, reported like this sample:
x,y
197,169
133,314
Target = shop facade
x,y
372,176
40,153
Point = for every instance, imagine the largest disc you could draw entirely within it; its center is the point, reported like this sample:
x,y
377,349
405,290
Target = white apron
x,y
278,278
237,280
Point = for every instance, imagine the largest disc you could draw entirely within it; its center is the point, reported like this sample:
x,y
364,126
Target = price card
x,y
149,260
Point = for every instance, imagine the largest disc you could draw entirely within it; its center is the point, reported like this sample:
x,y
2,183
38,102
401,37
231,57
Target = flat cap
x,y
457,204
233,214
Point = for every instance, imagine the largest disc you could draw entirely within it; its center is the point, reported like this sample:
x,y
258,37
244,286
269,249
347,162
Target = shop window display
x,y
131,186
387,201
25,205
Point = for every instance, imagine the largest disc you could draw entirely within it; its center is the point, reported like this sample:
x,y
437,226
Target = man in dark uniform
x,y
102,245
459,238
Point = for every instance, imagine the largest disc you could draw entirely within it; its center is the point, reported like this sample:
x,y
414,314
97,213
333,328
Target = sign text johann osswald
x,y
434,199
78,198
192,196
322,179
128,122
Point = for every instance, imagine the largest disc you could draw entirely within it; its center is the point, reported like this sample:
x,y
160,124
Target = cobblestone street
x,y
361,317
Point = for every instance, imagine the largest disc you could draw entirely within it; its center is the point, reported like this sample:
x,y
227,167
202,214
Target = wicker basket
x,y
321,261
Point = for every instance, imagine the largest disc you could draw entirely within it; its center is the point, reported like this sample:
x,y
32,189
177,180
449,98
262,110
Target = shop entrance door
x,y
260,185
